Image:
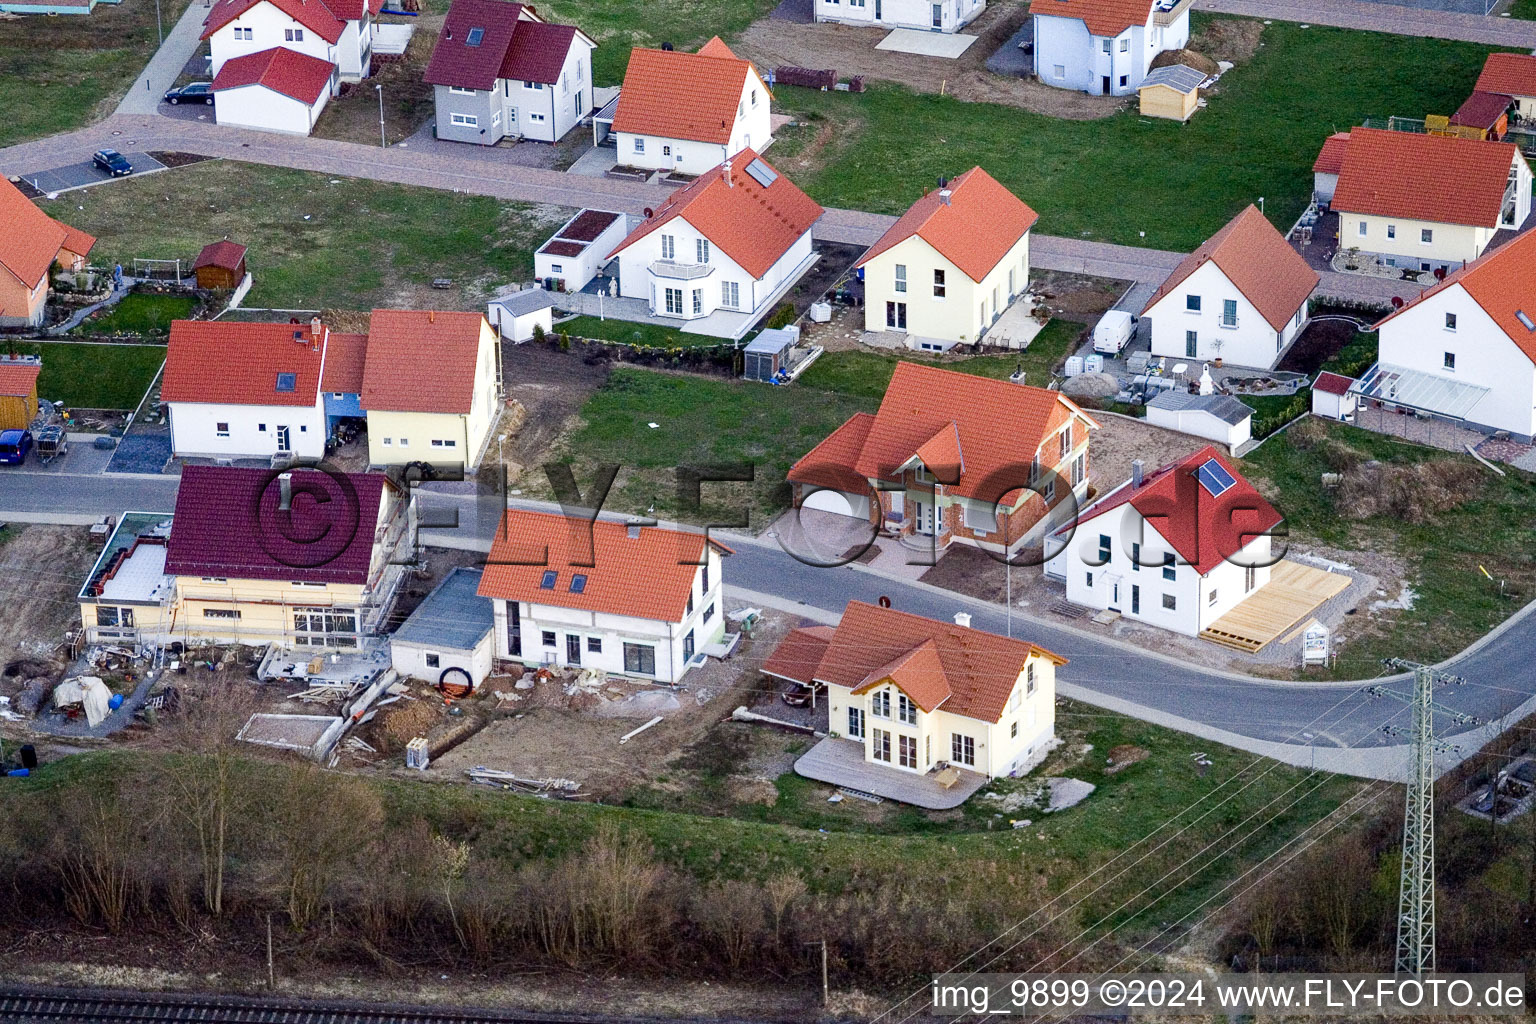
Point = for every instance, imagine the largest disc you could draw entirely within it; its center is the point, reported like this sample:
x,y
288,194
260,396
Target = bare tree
x,y
318,823
96,839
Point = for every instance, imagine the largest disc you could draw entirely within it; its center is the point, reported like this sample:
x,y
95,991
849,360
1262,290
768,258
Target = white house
x,y
1332,398
246,390
915,695
1218,418
1177,549
731,241
687,112
448,639
1466,349
1241,297
500,71
574,254
515,316
1427,202
1104,47
624,597
273,90
949,266
928,15
339,32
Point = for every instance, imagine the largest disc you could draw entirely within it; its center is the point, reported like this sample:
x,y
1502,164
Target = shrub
x,y
783,315
538,333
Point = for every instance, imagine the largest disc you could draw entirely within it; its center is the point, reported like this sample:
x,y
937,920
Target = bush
x,y
783,315
1266,423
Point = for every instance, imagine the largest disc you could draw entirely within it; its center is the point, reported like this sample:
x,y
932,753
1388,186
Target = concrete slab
x,y
1016,327
86,174
595,162
949,46
841,763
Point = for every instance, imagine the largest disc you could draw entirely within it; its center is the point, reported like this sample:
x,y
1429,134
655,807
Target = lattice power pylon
x,y
1416,884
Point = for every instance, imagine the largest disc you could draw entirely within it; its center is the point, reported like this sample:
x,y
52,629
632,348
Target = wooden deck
x,y
841,763
1291,594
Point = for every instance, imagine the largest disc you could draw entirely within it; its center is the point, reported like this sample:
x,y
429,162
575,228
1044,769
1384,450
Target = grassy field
x,y
630,332
317,241
63,72
89,376
687,24
1114,178
140,315
1523,9
1457,517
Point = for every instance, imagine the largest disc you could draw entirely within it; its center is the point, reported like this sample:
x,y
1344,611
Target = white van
x,y
1113,332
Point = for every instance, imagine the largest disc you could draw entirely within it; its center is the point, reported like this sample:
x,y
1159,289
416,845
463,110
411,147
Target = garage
x,y
447,639
838,503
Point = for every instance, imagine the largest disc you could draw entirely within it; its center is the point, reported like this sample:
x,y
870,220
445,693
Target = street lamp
x,y
379,88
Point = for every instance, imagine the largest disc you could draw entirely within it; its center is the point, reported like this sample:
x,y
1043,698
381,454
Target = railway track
x,y
26,1005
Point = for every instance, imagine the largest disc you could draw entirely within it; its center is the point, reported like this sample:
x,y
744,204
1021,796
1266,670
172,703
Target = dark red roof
x,y
563,248
228,524
1482,110
294,74
1332,383
537,52
587,225
226,254
1204,529
513,43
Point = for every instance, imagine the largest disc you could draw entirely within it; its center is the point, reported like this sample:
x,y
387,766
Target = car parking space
x,y
185,112
85,173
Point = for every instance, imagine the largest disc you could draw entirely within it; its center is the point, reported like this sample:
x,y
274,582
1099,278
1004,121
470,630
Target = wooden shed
x,y
18,391
1484,115
220,266
1171,92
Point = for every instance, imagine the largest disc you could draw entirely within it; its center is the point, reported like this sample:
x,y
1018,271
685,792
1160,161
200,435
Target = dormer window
x,y
287,382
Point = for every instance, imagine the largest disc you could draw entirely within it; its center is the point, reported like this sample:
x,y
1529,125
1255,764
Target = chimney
x,y
314,326
431,316
285,492
963,619
944,195
633,528
1136,468
725,168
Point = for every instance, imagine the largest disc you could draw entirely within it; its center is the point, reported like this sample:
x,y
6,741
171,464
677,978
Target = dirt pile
x,y
1413,493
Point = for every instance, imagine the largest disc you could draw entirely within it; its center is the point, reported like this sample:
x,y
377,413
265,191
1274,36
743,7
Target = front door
x,y
1114,598
923,516
284,439
1135,599
572,649
688,646
877,10
938,18
896,315
514,630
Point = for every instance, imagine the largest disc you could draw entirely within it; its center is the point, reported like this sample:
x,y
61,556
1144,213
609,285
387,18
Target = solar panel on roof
x,y
1215,478
762,173
474,37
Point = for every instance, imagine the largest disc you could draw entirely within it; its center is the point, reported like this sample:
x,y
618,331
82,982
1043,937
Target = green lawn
x,y
63,72
90,376
317,241
1114,178
687,24
629,332
139,315
1489,524
1523,9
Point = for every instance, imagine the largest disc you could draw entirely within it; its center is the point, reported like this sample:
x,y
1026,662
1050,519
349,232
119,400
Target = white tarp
x,y
89,692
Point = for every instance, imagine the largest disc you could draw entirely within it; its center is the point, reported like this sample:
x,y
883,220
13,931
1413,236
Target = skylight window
x,y
1525,320
287,381
578,583
474,37
1215,478
548,582
762,173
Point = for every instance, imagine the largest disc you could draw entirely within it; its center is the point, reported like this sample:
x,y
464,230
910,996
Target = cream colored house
x,y
916,695
431,387
216,572
946,270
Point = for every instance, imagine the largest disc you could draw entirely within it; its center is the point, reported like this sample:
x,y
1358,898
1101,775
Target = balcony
x,y
1169,11
681,271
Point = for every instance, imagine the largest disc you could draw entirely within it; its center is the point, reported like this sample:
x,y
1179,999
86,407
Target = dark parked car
x,y
113,162
196,92
799,695
14,446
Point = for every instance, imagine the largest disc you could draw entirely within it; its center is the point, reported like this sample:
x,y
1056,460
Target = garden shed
x,y
18,390
220,266
768,353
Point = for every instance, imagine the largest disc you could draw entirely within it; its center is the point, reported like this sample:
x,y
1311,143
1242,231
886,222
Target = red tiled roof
x,y
1513,74
974,230
997,425
1204,530
538,52
798,654
969,671
1424,177
232,363
649,576
344,357
455,62
31,239
225,254
316,15
1481,110
19,380
1331,157
716,48
289,72
228,524
1332,383
679,95
421,360
751,224
1103,17
1258,261
77,241
1503,282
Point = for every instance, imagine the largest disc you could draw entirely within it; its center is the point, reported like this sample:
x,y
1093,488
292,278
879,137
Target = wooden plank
x,y
1293,592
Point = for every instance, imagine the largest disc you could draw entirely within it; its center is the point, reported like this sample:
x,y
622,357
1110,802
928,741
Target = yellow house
x,y
909,698
1171,92
304,558
431,387
949,266
30,245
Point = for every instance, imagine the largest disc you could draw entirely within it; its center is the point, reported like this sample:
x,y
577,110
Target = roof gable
x,y
678,95
1258,261
752,224
232,363
289,72
1331,157
316,15
974,229
19,379
31,239
422,361
649,576
1424,177
473,43
1103,17
225,254
538,52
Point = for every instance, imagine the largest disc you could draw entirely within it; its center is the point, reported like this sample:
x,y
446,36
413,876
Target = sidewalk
x,y
165,66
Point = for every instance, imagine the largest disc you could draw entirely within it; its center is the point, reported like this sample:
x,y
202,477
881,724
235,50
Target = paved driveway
x,y
82,174
146,452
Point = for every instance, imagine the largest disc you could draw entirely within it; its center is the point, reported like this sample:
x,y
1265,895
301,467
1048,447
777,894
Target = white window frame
x,y
464,120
